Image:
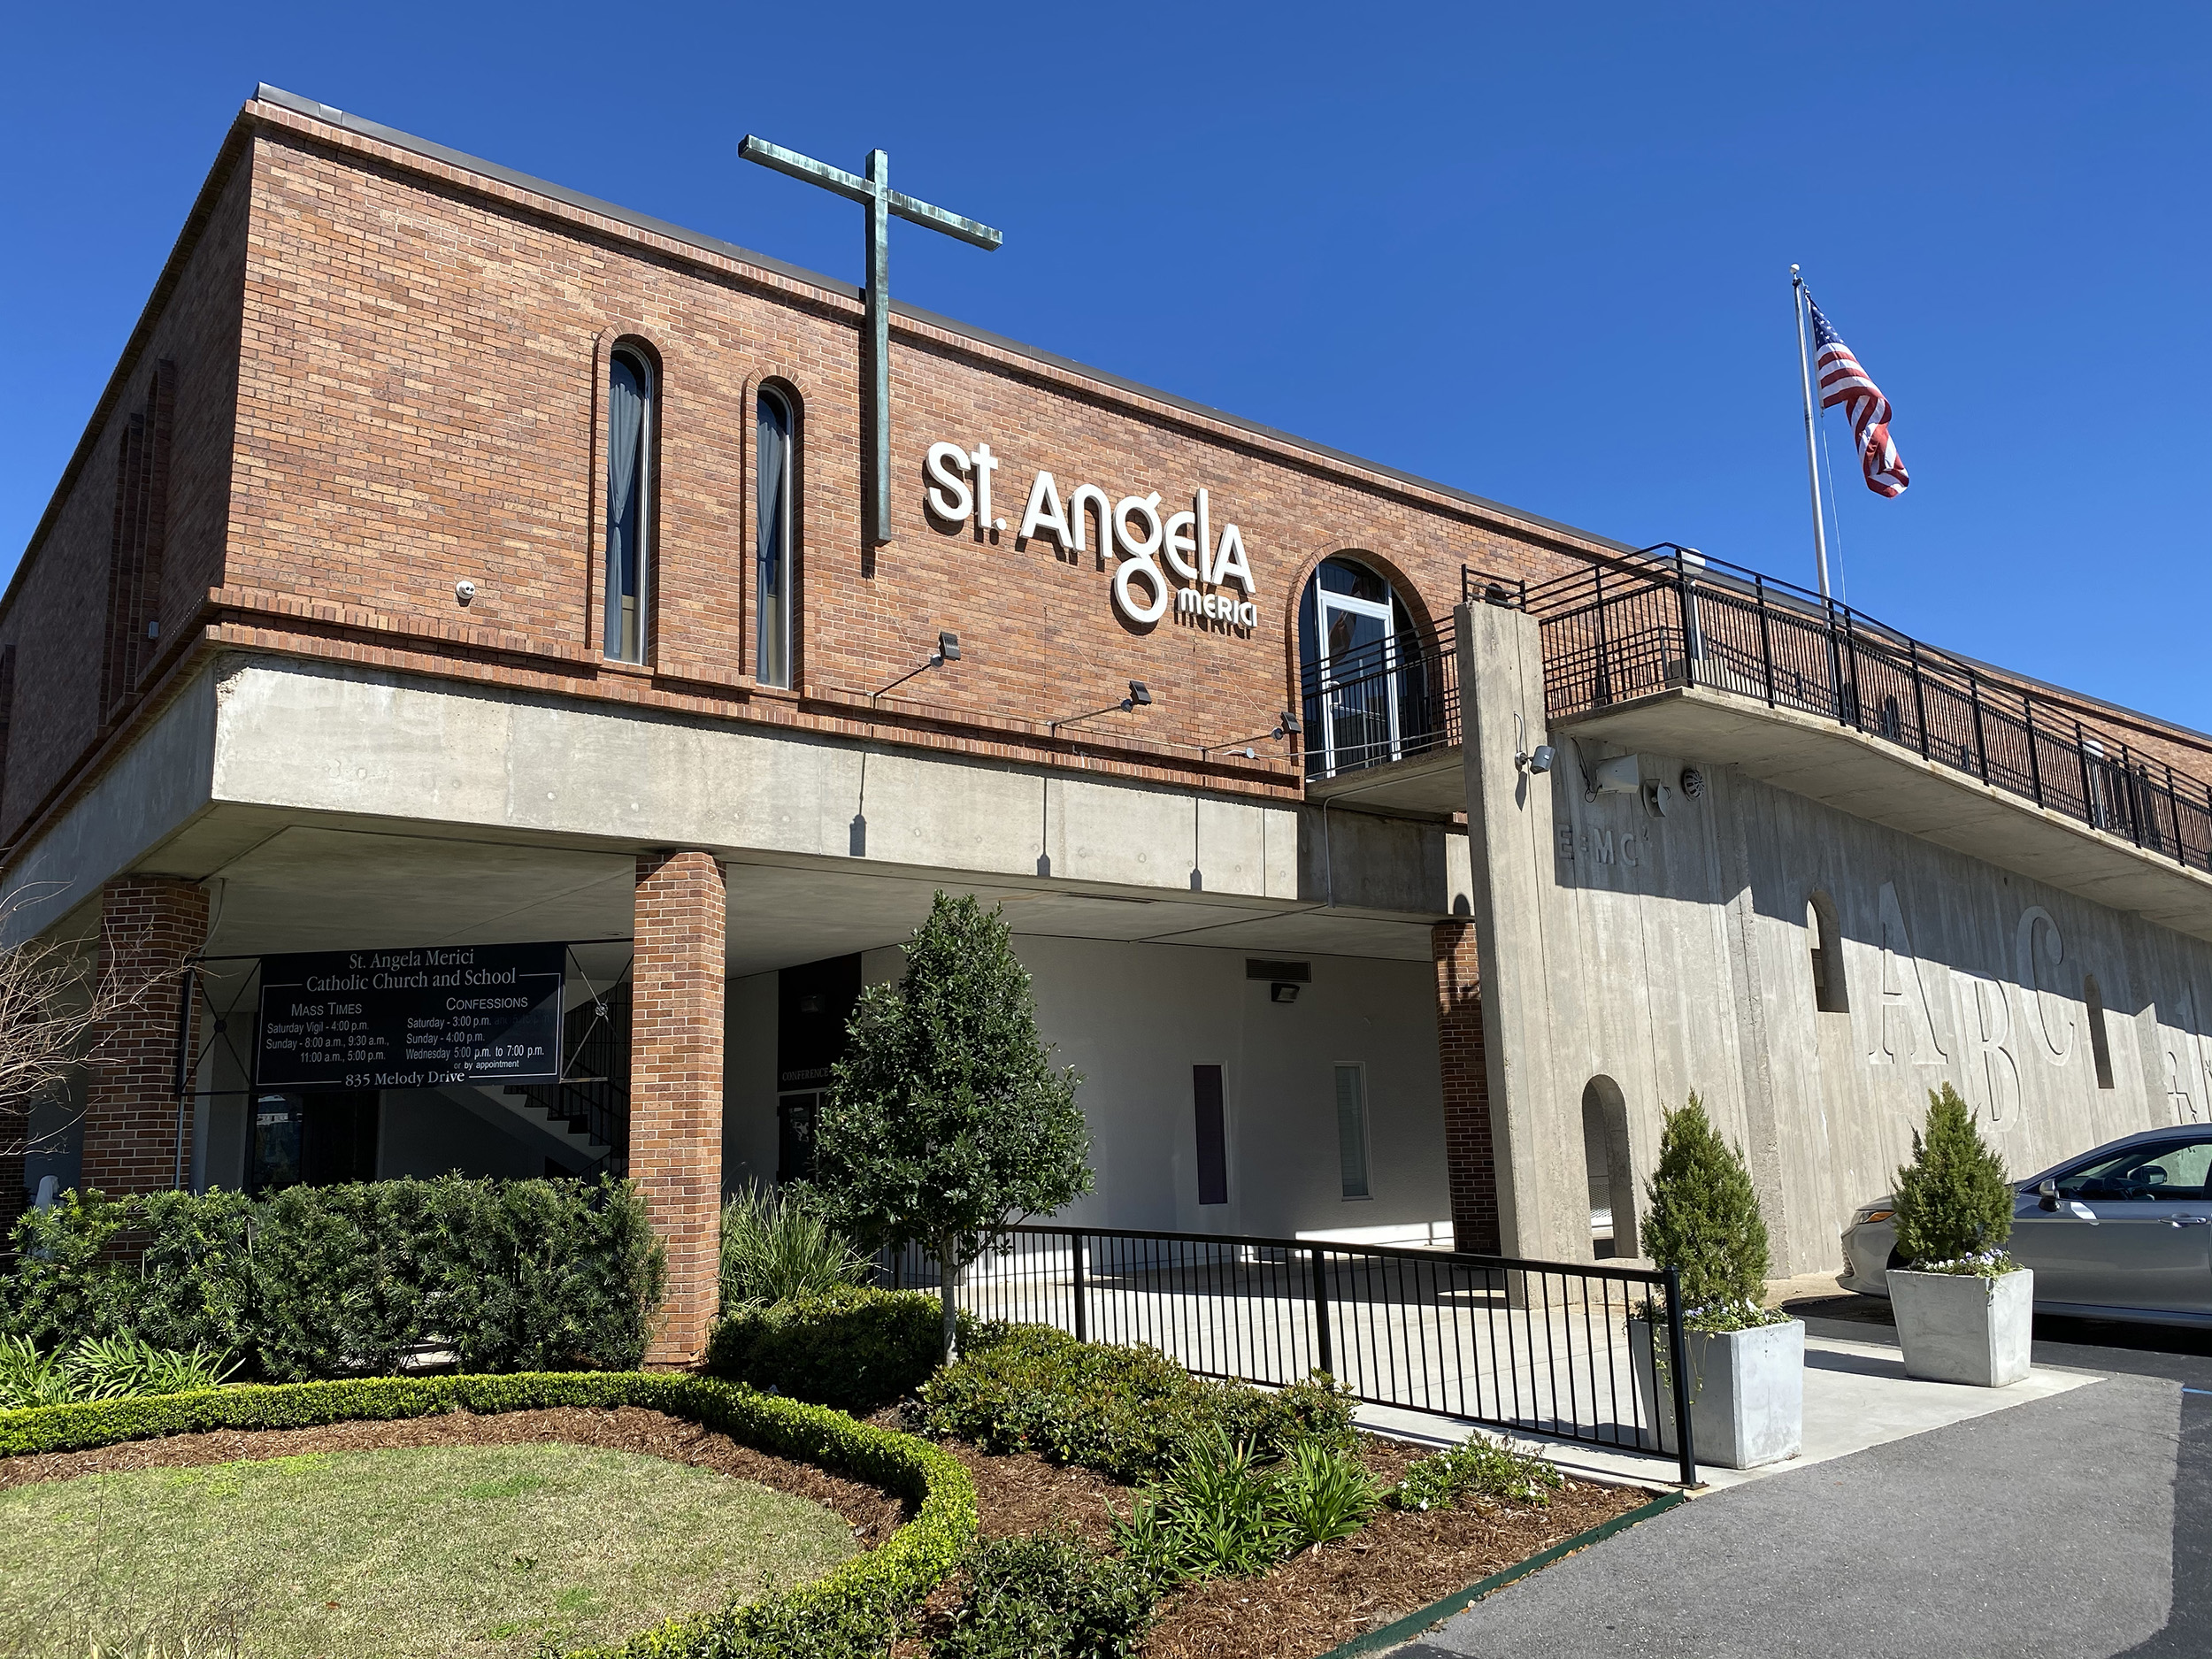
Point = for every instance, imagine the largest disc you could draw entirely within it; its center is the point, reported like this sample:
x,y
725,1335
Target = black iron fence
x,y
1629,628
1390,699
1549,1348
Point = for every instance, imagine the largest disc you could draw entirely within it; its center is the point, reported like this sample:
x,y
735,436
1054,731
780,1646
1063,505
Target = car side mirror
x,y
2047,1194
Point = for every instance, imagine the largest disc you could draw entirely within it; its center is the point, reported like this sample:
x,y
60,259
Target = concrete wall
x,y
1669,951
1133,1019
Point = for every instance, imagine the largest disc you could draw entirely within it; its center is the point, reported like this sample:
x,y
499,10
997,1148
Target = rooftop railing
x,y
1669,618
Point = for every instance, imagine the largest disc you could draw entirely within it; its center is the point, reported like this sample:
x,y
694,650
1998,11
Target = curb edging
x,y
1413,1624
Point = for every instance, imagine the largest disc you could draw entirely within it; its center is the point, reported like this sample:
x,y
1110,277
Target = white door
x,y
1359,683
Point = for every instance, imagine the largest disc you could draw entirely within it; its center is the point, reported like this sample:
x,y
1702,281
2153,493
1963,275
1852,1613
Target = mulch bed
x,y
1309,1604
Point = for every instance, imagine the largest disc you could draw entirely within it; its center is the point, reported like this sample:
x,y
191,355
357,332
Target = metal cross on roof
x,y
875,193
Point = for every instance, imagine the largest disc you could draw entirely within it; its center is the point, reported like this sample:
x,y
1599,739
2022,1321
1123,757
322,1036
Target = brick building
x,y
462,588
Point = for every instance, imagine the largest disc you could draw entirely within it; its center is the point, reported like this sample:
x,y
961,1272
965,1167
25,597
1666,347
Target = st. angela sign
x,y
1177,558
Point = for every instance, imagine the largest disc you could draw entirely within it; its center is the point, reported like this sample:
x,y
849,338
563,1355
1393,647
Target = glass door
x,y
1359,682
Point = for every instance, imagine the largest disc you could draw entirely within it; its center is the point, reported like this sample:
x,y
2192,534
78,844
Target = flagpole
x,y
1812,464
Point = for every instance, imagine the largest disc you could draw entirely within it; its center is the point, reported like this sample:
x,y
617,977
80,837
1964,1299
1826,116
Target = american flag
x,y
1843,382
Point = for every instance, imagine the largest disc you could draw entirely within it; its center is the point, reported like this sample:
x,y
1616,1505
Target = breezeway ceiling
x,y
313,887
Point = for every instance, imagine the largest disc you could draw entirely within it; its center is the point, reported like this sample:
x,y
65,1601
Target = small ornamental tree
x,y
945,1124
1703,1217
1953,1201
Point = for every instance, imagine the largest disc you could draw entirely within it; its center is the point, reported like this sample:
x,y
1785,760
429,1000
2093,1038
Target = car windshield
x,y
2170,1170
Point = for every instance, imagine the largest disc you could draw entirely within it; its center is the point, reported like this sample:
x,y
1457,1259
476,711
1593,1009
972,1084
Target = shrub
x,y
1124,1411
853,1613
1047,1594
336,1281
776,1248
1953,1202
1325,1495
102,1368
1475,1468
853,1347
1703,1219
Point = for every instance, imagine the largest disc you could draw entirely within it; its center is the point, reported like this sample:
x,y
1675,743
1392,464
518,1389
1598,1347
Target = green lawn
x,y
463,1549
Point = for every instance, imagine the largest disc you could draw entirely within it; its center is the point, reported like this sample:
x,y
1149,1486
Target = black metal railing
x,y
1389,700
1548,1348
1632,627
592,1098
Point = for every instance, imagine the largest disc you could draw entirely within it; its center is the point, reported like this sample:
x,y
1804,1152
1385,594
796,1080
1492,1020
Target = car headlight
x,y
1873,1212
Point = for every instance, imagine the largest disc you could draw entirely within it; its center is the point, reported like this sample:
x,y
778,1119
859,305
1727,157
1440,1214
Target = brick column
x,y
1470,1157
150,927
676,1083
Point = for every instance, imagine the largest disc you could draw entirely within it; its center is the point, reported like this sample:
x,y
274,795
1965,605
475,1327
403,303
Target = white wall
x,y
1134,1020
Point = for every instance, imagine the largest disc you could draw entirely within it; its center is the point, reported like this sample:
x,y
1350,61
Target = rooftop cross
x,y
875,193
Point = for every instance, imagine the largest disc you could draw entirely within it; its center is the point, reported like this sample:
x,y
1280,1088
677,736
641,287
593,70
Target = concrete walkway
x,y
2048,1526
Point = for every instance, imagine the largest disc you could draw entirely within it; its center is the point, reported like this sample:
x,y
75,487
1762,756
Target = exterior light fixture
x,y
464,591
1540,759
948,651
1139,697
1288,725
1282,991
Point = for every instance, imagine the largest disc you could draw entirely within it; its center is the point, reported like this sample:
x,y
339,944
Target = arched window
x,y
1825,941
1366,679
631,437
1605,1161
772,554
2099,1044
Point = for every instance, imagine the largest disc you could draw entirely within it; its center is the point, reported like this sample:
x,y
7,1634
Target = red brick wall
x,y
676,1083
150,927
1470,1159
55,614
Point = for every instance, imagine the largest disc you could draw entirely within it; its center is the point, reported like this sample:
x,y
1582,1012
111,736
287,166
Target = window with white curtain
x,y
772,558
630,441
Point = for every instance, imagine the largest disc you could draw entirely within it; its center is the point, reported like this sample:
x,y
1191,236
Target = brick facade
x,y
676,1083
1470,1160
151,926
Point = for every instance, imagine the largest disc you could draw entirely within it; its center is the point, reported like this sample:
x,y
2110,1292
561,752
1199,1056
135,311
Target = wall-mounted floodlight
x,y
1537,759
1282,991
1287,724
1139,697
948,651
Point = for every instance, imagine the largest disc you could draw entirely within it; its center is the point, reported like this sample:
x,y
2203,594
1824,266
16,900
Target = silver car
x,y
2122,1233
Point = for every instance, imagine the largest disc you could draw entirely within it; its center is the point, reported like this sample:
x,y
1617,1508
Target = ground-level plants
x,y
1745,1364
1965,1310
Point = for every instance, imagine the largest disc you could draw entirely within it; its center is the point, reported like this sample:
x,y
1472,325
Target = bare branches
x,y
56,1012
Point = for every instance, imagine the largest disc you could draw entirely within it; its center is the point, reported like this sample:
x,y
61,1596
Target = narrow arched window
x,y
1825,946
630,441
772,560
2099,1044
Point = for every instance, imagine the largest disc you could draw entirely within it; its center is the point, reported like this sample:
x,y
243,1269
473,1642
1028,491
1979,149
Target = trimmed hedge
x,y
852,1348
853,1613
330,1281
1124,1411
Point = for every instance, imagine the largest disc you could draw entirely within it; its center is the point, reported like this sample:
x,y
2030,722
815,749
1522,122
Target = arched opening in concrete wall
x,y
1825,946
2099,1045
1612,1178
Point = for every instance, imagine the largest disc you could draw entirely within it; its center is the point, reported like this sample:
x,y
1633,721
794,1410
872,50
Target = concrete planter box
x,y
1963,1328
1746,1393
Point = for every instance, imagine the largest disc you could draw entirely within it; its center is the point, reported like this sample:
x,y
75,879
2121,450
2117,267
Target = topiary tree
x,y
1703,1216
946,1125
1953,1199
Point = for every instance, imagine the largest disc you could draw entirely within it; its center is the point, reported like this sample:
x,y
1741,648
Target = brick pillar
x,y
150,927
676,1083
1470,1158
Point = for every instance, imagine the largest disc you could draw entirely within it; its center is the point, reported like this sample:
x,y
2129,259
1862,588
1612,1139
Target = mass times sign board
x,y
411,1019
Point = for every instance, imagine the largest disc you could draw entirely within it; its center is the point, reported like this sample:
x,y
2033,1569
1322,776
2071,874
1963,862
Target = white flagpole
x,y
1812,464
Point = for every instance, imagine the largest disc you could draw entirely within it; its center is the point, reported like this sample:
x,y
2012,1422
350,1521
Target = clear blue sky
x,y
1539,253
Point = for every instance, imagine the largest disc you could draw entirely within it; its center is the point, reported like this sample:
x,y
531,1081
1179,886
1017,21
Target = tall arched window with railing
x,y
1365,678
774,563
632,433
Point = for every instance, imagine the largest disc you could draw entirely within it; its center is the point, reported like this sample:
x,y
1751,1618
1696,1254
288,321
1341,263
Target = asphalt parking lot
x,y
2075,1525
